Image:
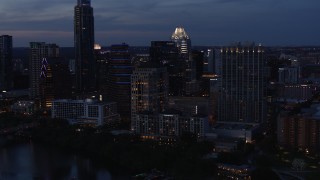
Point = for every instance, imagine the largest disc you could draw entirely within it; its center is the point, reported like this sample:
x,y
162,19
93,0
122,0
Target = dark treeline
x,y
128,154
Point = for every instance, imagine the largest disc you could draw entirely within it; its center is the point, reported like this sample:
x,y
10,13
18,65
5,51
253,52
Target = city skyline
x,y
208,22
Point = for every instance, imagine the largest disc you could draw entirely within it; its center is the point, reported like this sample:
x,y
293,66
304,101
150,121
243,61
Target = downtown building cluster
x,y
164,90
298,96
142,89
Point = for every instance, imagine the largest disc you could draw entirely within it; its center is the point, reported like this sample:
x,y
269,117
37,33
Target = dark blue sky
x,y
137,22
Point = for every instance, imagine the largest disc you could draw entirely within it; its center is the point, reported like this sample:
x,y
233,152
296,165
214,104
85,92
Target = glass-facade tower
x,y
85,76
6,82
119,79
242,85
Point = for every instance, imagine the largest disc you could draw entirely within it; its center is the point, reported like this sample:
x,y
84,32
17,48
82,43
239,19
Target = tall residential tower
x,y
149,93
119,79
84,47
6,62
40,52
242,85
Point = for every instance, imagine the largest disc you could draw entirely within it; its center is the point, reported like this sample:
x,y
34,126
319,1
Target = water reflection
x,y
30,161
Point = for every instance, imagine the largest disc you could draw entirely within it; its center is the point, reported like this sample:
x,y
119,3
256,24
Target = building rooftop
x,y
234,126
14,93
88,101
23,103
171,112
120,132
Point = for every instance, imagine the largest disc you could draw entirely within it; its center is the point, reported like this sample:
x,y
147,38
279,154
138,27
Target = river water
x,y
28,161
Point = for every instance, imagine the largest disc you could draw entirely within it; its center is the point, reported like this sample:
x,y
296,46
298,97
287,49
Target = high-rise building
x,y
167,54
6,80
149,92
119,79
84,47
55,81
208,64
61,79
101,57
198,58
163,52
242,86
40,52
46,84
183,42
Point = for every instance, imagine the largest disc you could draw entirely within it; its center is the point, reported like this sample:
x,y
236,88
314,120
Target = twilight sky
x,y
137,22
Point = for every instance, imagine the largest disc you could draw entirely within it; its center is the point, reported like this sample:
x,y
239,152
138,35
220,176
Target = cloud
x,y
21,38
35,10
33,33
140,21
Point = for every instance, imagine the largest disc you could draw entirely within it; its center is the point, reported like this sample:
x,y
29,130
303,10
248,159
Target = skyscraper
x,y
119,79
163,52
167,54
55,81
183,43
149,92
182,40
40,52
6,81
102,70
242,86
84,47
46,84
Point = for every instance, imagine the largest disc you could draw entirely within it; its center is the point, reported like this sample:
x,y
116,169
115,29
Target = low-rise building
x,y
241,131
171,124
146,123
23,107
87,112
297,91
300,130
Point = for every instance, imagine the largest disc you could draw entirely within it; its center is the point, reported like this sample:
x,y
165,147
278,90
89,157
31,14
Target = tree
x,y
298,164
